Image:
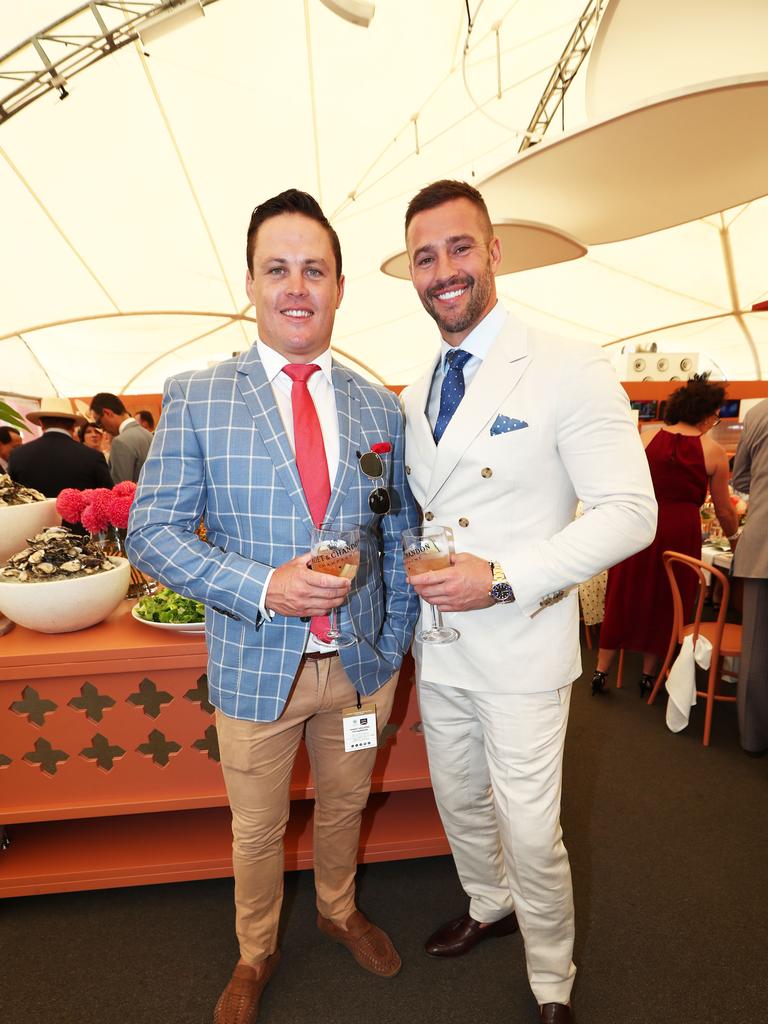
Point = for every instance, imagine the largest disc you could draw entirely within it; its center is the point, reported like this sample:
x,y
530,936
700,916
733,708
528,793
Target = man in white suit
x,y
506,431
264,447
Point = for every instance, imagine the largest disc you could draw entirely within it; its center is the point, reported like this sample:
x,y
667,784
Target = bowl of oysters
x,y
61,582
23,513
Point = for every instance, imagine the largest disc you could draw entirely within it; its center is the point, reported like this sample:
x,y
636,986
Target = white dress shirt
x,y
321,389
478,343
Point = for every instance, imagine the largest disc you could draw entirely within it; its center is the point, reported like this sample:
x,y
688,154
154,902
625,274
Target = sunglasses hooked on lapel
x,y
373,467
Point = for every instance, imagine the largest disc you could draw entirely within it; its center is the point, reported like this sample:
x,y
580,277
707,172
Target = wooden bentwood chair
x,y
725,637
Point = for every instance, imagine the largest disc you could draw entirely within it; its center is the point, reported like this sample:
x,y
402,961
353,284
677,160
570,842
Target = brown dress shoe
x,y
459,936
556,1013
369,945
239,1002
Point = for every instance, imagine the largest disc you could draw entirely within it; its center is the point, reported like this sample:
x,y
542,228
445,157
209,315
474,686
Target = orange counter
x,y
109,766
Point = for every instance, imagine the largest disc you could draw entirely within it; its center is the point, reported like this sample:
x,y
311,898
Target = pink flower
x,y
127,487
382,448
93,521
70,504
96,515
119,509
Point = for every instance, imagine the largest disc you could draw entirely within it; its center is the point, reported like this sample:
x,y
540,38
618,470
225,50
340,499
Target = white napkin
x,y
681,683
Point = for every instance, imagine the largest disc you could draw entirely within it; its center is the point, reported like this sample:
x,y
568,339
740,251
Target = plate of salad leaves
x,y
168,610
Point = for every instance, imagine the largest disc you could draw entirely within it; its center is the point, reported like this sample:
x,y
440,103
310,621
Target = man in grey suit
x,y
750,476
131,442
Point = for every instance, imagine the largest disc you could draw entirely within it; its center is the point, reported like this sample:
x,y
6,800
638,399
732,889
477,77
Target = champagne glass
x,y
426,548
337,553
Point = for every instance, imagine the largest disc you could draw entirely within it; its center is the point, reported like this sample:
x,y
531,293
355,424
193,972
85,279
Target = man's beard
x,y
466,319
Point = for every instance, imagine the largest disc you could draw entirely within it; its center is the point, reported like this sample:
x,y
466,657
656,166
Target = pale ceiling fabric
x,y
133,195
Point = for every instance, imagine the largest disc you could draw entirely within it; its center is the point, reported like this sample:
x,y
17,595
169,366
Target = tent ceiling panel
x,y
109,196
151,167
626,303
105,354
44,280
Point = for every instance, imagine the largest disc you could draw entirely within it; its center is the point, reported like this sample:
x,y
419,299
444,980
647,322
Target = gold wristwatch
x,y
501,590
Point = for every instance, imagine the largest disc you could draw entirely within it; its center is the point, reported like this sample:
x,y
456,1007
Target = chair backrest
x,y
672,558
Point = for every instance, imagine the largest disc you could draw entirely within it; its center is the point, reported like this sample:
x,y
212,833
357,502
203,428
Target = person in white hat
x,y
56,460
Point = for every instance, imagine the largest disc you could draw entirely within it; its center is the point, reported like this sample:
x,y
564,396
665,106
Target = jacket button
x,y
407,470
486,472
463,521
429,516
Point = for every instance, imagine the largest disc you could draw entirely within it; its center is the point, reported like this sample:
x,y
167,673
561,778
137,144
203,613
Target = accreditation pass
x,y
359,727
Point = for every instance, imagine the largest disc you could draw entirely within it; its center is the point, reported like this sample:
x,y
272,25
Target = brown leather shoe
x,y
239,1002
369,945
459,936
556,1013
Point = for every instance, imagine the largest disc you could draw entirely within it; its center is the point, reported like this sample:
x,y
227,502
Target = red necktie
x,y
310,458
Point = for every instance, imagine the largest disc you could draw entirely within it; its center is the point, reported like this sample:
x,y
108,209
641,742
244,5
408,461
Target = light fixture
x,y
169,20
641,170
358,12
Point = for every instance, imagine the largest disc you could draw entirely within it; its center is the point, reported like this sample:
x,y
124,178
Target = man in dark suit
x,y
131,442
55,460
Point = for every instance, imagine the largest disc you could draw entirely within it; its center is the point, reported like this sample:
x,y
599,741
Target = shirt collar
x,y
478,342
273,362
59,430
127,423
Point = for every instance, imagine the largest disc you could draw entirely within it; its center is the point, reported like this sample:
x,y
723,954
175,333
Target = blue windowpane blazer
x,y
220,451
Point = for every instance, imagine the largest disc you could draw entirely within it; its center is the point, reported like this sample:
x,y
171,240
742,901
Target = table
x,y
721,559
109,766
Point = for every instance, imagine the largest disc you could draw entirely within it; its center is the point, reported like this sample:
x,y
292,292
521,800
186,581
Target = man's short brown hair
x,y
291,201
444,191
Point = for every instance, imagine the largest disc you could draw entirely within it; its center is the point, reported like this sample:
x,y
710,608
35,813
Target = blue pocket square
x,y
503,425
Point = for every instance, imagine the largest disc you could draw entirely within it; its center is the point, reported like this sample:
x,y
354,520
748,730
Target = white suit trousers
x,y
496,766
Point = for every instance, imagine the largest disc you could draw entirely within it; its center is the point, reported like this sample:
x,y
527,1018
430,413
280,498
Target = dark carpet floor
x,y
669,848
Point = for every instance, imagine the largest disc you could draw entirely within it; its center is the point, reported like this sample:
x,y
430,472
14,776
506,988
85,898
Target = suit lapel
x,y
418,399
256,392
348,416
498,376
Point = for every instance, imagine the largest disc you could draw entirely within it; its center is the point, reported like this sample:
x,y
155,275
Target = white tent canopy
x,y
125,205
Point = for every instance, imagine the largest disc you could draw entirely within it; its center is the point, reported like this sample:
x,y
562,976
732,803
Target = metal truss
x,y
73,43
573,56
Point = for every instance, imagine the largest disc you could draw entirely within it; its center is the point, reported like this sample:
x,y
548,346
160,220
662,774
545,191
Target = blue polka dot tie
x,y
452,390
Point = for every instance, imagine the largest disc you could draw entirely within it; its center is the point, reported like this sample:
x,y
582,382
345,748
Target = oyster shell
x,y
55,554
12,493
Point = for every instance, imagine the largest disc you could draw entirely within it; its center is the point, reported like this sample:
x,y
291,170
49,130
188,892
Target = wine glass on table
x,y
337,553
425,549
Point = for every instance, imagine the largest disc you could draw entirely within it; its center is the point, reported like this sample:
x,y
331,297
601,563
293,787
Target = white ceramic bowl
x,y
17,522
62,606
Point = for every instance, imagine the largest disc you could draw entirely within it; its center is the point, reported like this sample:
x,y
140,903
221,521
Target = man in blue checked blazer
x,y
226,449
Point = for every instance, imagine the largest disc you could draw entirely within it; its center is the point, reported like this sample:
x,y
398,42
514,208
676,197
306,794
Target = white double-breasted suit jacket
x,y
543,424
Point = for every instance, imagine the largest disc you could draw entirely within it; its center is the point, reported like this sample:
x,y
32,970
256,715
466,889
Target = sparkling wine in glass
x,y
428,548
337,553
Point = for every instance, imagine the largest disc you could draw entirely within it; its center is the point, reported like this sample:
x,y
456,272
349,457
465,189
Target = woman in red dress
x,y
684,463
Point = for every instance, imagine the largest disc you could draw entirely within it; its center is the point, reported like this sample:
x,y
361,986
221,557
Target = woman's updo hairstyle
x,y
694,401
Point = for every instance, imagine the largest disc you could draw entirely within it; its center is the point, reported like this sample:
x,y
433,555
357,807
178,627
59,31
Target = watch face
x,y
502,592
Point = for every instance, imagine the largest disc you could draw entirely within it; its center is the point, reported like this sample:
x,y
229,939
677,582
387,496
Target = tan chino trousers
x,y
257,760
